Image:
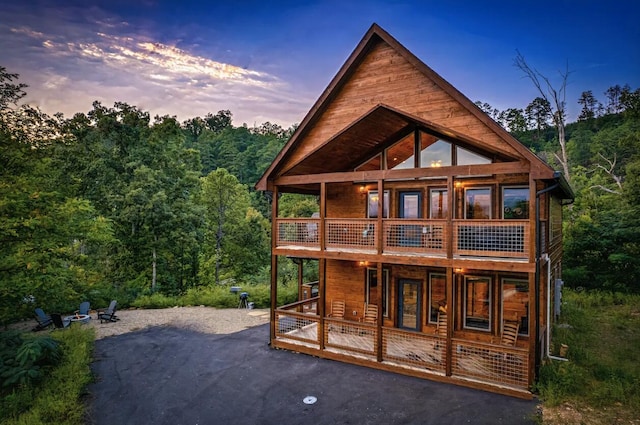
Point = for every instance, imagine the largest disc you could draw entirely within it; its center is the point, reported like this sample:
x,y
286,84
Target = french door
x,y
409,304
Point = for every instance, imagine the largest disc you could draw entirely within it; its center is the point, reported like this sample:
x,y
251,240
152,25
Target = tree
x,y
556,99
590,106
488,109
513,120
538,114
614,104
226,201
219,121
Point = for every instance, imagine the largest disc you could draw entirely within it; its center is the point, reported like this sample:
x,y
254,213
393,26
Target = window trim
x,y
464,300
513,279
430,295
445,207
385,288
491,202
386,202
503,188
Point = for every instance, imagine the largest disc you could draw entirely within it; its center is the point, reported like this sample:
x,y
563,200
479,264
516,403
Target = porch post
x,y
450,316
380,236
274,263
322,266
449,226
379,319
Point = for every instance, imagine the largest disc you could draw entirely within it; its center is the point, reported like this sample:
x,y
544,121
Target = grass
x,y
57,399
602,376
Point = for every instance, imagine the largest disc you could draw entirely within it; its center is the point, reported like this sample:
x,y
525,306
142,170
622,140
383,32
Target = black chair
x,y
58,322
108,314
44,320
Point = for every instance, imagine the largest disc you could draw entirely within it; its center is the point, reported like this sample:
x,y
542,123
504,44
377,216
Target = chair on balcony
x,y
510,331
370,314
441,327
337,309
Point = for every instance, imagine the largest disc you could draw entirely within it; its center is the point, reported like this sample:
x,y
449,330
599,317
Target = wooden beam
x,y
274,266
517,167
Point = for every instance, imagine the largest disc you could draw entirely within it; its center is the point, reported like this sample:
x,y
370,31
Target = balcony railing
x,y
479,238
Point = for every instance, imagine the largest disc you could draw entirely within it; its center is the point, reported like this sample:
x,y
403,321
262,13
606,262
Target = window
x,y
466,157
439,203
477,303
477,203
434,152
371,288
515,302
410,205
515,203
374,163
437,295
401,155
372,204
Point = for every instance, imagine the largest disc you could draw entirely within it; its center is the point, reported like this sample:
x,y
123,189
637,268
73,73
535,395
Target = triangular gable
x,y
382,71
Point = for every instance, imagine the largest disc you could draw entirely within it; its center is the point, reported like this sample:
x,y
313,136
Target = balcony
x,y
468,238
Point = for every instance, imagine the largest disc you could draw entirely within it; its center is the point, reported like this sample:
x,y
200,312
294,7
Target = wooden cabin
x,y
438,233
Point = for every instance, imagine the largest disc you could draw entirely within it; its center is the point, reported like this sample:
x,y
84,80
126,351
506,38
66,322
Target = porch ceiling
x,y
356,143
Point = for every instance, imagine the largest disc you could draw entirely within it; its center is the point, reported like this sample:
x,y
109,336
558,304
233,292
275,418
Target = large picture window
x,y
515,203
372,204
437,295
477,302
372,288
515,303
477,203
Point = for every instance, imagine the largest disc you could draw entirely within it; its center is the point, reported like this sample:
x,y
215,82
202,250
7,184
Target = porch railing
x,y
295,325
493,363
350,336
414,349
491,238
482,238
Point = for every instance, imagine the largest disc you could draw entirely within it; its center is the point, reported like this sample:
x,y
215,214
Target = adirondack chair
x,y
108,314
370,314
84,308
44,320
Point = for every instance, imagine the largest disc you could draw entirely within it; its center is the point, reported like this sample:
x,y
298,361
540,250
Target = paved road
x,y
165,375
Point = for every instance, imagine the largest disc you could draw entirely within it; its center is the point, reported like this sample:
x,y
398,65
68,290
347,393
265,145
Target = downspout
x,y
537,273
549,356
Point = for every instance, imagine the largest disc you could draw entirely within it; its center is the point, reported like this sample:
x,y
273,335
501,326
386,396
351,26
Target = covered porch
x,y
505,369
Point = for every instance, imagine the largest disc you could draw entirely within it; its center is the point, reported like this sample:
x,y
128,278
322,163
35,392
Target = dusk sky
x,y
270,60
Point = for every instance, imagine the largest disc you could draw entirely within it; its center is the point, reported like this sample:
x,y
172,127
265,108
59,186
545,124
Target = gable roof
x,y
297,159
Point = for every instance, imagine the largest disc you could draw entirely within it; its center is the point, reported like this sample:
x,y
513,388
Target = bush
x,y
26,358
57,398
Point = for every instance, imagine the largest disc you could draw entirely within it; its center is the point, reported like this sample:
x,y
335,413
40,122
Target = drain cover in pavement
x,y
309,399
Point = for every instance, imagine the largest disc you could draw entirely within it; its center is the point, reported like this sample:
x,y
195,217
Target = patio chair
x,y
337,309
58,322
108,314
510,331
44,320
441,328
84,308
370,314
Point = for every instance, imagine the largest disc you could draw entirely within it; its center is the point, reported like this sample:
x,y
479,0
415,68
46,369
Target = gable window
x,y
477,303
434,152
374,163
515,203
371,288
467,157
401,155
477,203
372,204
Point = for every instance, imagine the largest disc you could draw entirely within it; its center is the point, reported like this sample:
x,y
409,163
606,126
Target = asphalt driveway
x,y
166,375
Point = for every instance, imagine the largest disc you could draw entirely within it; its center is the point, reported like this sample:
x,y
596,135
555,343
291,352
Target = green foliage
x,y
604,342
219,296
25,359
56,398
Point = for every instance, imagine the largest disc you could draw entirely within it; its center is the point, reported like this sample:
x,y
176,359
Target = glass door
x,y
410,207
409,304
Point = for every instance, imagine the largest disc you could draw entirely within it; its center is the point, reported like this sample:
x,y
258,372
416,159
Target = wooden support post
x,y
380,318
451,277
274,264
379,232
322,266
448,234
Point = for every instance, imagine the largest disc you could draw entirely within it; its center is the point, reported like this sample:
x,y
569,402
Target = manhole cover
x,y
309,399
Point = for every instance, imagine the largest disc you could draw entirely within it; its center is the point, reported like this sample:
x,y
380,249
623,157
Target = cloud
x,y
106,60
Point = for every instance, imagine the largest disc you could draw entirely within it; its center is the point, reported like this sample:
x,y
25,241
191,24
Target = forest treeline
x,y
113,203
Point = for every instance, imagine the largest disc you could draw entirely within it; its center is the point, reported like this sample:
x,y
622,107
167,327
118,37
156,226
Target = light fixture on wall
x,y
363,263
363,189
459,271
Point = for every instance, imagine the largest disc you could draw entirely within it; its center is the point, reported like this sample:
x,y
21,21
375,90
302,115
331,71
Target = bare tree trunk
x,y
556,98
154,272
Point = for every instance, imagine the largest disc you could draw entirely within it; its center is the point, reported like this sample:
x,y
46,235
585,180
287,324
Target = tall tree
x,y
556,98
613,94
590,106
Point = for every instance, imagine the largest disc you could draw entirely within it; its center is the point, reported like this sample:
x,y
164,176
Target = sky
x,y
271,60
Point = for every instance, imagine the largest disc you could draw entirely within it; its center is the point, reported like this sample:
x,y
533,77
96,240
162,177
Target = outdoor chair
x,y
58,322
510,333
370,314
44,320
108,314
337,309
84,308
441,327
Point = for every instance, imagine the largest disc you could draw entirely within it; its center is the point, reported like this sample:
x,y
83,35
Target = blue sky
x,y
269,61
